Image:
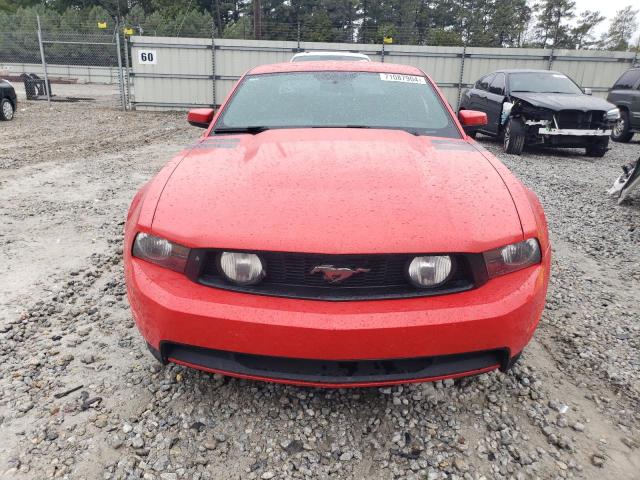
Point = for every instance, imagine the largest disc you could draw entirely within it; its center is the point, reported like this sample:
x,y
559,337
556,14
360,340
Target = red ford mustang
x,y
335,226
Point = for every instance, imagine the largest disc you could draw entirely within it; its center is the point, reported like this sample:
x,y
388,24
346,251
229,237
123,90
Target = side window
x,y
497,86
485,82
627,80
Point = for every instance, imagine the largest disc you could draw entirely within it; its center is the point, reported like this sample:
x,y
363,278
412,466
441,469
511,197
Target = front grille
x,y
577,119
288,275
333,371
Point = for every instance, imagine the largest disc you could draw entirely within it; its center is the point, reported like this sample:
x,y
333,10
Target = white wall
x,y
183,74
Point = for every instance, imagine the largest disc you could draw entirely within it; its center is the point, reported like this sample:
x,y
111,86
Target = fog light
x,y
430,271
242,268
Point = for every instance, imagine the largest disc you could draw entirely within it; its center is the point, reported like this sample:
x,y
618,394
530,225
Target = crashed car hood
x,y
337,191
562,101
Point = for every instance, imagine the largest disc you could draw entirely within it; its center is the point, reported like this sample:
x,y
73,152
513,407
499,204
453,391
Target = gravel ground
x,y
570,409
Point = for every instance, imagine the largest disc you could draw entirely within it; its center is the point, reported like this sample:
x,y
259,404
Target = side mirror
x,y
200,117
588,91
471,120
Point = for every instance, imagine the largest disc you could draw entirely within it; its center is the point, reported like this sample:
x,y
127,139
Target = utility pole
x,y
44,62
257,20
555,39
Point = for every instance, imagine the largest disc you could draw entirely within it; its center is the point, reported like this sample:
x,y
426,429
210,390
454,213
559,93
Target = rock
x,y
87,358
578,427
292,447
137,442
267,475
346,456
598,460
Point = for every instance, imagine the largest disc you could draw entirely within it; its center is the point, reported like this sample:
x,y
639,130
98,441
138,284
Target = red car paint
x,y
337,191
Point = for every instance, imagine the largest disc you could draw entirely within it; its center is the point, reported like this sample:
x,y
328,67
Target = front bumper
x,y
574,132
250,336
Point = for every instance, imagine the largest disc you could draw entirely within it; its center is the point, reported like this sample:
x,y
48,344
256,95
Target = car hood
x,y
337,191
562,101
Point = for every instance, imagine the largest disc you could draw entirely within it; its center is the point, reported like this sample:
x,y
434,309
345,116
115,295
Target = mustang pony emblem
x,y
337,274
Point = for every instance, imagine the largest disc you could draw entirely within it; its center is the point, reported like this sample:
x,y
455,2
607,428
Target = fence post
x,y
120,76
213,64
382,55
464,54
298,49
44,62
127,67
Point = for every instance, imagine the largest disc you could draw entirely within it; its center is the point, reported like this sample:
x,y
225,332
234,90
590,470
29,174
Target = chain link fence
x,y
76,62
92,60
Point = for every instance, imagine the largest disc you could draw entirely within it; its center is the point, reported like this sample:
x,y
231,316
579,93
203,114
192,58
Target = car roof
x,y
525,70
322,54
336,66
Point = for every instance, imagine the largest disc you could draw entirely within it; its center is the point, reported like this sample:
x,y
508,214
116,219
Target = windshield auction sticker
x,y
398,77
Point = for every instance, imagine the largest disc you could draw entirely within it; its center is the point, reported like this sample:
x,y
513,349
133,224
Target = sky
x,y
607,8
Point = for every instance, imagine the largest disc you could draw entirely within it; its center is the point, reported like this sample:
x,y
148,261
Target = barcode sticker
x,y
399,77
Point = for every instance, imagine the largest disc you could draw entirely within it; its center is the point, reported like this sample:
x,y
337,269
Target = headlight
x,y
242,268
613,115
160,251
512,257
429,271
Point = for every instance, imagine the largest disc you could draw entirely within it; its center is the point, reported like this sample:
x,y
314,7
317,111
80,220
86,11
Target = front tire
x,y
6,109
514,136
621,130
598,148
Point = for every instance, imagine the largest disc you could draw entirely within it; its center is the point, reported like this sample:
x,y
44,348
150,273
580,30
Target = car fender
x,y
527,204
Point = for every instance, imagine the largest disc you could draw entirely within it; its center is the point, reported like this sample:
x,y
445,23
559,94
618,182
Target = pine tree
x,y
553,23
582,33
622,27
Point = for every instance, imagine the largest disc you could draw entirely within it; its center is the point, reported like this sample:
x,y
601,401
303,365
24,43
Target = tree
x,y
508,23
622,27
582,33
552,28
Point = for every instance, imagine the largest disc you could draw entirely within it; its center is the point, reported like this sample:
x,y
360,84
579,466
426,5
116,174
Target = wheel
x,y
620,132
472,134
514,135
598,148
6,109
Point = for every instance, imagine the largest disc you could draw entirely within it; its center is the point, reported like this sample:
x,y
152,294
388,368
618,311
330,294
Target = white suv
x,y
330,56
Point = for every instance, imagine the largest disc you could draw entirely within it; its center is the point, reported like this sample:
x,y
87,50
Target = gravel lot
x,y
570,409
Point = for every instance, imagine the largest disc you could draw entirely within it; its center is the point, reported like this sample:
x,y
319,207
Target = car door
x,y
625,94
474,97
635,104
494,100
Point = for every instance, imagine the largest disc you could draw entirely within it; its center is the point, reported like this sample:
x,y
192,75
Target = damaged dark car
x,y
542,108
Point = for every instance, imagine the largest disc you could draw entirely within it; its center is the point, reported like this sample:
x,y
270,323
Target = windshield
x,y
337,99
542,82
328,58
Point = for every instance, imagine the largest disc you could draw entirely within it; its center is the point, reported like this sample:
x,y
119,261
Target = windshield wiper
x,y
251,129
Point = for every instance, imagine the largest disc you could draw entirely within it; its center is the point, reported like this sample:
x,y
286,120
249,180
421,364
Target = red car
x,y
335,226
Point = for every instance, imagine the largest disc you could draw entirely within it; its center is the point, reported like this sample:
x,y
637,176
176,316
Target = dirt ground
x,y
571,409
